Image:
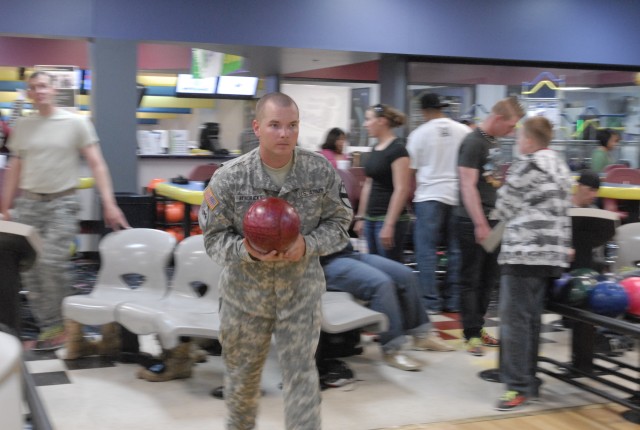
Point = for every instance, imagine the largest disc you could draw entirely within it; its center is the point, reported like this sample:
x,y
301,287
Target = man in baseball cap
x,y
433,150
587,190
431,101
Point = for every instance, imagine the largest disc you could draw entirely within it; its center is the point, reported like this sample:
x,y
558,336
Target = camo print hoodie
x,y
534,201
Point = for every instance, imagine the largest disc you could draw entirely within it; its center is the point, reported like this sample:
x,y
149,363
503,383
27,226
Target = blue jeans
x,y
521,305
434,220
372,235
479,275
388,286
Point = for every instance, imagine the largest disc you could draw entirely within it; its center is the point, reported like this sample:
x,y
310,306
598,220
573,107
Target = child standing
x,y
535,247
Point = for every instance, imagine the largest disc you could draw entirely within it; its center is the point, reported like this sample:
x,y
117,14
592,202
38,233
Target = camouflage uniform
x,y
49,280
258,298
49,148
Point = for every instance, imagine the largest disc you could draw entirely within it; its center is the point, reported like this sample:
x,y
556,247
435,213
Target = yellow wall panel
x,y
9,74
146,115
157,81
176,102
7,96
156,115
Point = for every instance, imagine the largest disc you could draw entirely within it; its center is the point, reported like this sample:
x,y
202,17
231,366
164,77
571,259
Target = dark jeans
x,y
521,305
479,275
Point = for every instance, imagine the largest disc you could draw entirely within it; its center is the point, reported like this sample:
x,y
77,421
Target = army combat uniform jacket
x,y
274,289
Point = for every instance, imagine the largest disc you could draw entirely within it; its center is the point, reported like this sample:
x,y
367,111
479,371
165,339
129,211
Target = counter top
x,y
189,157
190,193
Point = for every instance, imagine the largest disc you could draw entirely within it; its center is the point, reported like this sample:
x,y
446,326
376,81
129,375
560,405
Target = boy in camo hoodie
x,y
533,203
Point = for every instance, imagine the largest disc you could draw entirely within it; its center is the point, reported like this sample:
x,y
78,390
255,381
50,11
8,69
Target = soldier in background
x,y
46,149
273,293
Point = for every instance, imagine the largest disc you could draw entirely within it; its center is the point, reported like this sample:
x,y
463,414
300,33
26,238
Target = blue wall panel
x,y
577,31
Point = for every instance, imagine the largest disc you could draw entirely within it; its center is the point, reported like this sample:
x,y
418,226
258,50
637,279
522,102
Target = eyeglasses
x,y
378,109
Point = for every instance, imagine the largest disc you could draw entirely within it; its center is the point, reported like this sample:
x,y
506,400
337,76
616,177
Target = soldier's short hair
x,y
279,99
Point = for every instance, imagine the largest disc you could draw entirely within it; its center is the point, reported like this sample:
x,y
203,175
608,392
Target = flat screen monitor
x,y
237,86
141,90
86,81
188,86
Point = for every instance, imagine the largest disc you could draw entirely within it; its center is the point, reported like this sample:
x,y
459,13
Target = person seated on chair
x,y
391,288
586,190
584,196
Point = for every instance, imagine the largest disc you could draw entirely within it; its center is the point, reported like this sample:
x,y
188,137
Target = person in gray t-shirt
x,y
479,167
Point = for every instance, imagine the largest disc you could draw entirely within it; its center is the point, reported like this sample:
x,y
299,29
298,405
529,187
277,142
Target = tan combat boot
x,y
178,364
111,342
198,354
76,345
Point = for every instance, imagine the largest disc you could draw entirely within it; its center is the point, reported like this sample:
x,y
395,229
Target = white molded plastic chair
x,y
136,251
10,383
341,313
628,241
183,312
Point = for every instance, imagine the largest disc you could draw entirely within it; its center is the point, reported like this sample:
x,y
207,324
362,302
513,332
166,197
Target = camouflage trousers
x,y
49,280
245,342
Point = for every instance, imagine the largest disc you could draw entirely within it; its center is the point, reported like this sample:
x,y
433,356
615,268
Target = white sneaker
x,y
431,342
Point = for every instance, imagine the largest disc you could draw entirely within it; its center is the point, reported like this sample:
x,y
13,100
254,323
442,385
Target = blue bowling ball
x,y
608,298
559,285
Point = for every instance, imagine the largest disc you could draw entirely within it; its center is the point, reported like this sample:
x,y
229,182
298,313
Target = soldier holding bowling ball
x,y
265,292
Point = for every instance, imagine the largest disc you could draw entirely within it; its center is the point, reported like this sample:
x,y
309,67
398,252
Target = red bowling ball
x,y
271,224
632,287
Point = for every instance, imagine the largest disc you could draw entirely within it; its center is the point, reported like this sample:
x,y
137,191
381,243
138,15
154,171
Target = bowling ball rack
x,y
585,362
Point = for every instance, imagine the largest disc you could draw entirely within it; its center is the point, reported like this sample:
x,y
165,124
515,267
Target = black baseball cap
x,y
431,101
589,178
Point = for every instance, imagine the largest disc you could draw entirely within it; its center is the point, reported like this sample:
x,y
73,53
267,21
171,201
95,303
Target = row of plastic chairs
x,y
132,288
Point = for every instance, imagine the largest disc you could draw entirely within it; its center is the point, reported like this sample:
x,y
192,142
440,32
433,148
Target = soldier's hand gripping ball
x,y
271,224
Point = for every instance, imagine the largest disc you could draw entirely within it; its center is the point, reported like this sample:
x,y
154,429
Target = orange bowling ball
x,y
152,184
174,212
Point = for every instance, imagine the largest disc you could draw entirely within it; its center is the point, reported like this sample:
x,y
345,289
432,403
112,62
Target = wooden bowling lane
x,y
592,417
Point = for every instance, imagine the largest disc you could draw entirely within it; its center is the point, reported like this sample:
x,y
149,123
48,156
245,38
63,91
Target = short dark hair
x,y
332,137
590,179
277,98
603,136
